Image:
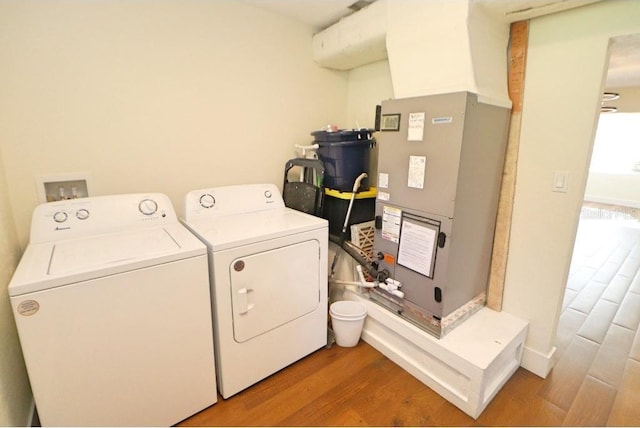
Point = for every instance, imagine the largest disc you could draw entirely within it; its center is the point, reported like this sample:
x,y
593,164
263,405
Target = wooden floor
x,y
596,381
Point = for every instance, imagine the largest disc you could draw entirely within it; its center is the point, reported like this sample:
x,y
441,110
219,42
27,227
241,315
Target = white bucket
x,y
347,319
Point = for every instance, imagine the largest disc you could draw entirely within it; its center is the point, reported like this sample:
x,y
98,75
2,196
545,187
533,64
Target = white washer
x,y
111,300
268,270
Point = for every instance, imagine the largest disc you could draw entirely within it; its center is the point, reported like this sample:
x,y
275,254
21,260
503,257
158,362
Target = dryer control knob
x,y
148,206
268,194
60,217
82,214
207,200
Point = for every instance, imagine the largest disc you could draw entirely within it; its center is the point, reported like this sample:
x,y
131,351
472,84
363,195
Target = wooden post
x,y
517,62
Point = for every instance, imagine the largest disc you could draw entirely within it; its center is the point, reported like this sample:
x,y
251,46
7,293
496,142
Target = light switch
x,y
560,181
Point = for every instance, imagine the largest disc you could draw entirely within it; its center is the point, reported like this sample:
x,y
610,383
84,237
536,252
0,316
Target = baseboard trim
x,y
538,363
32,417
612,201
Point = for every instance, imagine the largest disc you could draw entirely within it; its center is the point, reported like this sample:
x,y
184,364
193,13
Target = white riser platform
x,y
467,367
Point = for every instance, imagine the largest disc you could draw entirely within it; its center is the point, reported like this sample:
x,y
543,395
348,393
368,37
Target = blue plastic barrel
x,y
346,155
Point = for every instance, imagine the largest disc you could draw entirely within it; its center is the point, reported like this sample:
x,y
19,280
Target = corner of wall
x,y
16,401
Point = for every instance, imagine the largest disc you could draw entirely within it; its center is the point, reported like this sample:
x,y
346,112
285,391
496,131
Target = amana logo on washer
x,y
28,307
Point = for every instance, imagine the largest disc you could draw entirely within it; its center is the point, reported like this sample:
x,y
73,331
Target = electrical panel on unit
x,y
440,164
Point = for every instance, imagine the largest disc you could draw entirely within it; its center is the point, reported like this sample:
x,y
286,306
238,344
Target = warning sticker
x,y
391,223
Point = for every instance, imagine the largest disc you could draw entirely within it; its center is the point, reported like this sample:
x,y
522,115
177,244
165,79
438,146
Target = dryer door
x,y
274,287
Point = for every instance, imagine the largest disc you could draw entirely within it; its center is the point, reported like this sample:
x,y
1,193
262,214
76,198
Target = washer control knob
x,y
82,214
148,206
60,217
207,200
268,194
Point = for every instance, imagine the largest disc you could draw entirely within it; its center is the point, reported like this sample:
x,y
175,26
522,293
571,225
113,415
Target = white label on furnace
x,y
416,248
440,120
383,196
416,127
383,180
417,167
391,223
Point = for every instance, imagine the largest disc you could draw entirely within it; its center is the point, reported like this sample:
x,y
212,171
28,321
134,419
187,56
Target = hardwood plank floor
x,y
595,382
360,387
332,387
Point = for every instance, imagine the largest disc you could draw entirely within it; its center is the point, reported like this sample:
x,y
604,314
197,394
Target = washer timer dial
x,y
60,217
82,214
148,206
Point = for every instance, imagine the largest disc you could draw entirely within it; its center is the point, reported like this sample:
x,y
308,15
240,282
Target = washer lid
x,y
52,264
93,252
224,232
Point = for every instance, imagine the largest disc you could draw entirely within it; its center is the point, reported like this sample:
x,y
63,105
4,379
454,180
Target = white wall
x,y
369,85
616,151
155,95
145,95
616,189
566,65
15,393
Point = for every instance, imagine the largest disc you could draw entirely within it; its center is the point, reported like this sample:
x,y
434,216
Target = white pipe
x,y
356,283
360,273
305,148
391,290
303,151
356,186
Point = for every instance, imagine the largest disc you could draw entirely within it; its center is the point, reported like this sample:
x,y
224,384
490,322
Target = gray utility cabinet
x,y
440,164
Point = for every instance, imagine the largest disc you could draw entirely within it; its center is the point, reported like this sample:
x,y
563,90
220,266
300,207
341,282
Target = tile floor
x,y
598,372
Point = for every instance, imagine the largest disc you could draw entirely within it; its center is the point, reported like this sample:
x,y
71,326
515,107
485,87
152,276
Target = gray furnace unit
x,y
440,165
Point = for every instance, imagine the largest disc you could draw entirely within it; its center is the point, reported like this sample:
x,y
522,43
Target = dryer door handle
x,y
242,298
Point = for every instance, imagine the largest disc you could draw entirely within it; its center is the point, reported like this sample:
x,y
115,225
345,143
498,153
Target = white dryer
x,y
111,301
268,270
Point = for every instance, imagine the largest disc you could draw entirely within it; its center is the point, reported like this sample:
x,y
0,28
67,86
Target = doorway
x,y
598,339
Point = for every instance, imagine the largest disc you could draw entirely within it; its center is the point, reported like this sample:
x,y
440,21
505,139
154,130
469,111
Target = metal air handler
x,y
440,164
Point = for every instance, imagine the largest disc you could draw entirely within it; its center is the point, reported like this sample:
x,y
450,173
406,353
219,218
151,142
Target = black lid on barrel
x,y
342,135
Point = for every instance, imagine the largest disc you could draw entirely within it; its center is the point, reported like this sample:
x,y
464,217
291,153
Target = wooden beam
x,y
518,41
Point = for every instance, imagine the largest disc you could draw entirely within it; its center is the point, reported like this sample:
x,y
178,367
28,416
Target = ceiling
x,y
321,14
624,63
